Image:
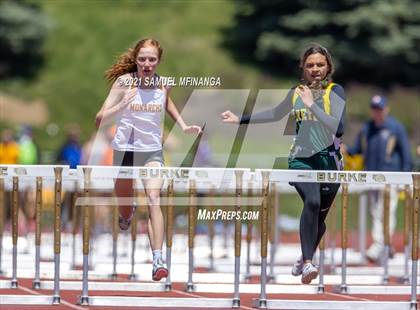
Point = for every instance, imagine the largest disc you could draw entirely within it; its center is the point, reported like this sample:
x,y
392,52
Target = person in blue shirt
x,y
70,152
384,144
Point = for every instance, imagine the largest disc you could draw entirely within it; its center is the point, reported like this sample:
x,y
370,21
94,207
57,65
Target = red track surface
x,y
69,298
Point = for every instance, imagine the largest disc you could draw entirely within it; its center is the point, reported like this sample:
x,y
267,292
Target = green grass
x,y
87,36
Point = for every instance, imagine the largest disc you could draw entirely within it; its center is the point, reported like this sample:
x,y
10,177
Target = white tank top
x,y
139,125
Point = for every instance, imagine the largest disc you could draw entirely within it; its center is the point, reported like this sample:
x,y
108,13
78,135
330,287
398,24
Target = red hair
x,y
126,62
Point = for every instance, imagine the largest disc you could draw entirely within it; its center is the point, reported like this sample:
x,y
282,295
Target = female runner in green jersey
x,y
318,106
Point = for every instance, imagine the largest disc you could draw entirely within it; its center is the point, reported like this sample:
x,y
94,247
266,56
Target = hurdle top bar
x,y
32,171
210,175
334,176
223,177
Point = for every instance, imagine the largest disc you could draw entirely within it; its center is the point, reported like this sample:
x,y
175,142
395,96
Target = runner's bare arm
x,y
174,113
115,100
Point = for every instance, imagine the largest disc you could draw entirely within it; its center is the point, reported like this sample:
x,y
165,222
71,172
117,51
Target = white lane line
x,y
199,296
348,297
61,299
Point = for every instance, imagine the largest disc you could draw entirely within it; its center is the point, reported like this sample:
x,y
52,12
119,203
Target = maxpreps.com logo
x,y
341,177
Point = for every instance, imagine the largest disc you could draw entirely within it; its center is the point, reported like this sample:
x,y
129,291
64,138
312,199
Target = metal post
x,y
238,238
2,204
415,240
276,222
262,302
321,287
272,231
407,207
333,225
169,232
362,225
225,238
191,231
36,284
75,221
15,219
115,230
345,200
211,231
132,276
57,233
84,298
248,234
387,241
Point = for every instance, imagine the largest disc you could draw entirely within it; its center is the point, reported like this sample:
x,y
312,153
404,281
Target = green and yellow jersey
x,y
318,129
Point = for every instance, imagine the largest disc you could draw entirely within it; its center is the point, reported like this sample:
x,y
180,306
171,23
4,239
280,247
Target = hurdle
x,y
71,285
191,232
75,219
84,299
196,175
387,242
363,209
211,233
412,204
27,172
238,238
93,285
262,301
282,279
357,273
344,208
384,288
407,210
330,279
273,232
351,279
169,232
333,225
249,234
239,174
116,286
88,173
36,284
345,178
115,231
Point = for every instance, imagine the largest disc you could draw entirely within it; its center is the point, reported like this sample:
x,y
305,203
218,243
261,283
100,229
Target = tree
x,y
23,28
373,41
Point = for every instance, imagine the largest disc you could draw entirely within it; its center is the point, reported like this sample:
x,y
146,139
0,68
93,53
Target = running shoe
x,y
125,223
159,270
309,273
297,267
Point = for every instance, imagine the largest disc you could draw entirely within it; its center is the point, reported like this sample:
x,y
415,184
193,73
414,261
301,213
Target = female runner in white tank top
x,y
138,109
